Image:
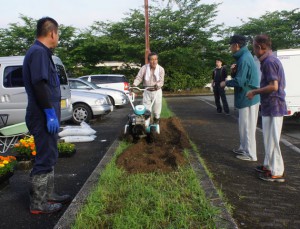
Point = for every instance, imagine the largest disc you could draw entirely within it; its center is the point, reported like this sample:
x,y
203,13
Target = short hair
x,y
46,25
238,39
264,41
152,54
219,59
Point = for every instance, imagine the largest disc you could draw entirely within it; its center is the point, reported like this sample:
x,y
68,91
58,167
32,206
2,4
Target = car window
x,y
116,79
78,85
61,74
99,79
13,77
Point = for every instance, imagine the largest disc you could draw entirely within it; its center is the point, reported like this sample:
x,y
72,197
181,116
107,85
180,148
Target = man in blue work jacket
x,y
245,78
43,116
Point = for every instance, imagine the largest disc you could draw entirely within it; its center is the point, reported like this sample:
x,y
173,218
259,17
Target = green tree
x,y
16,39
282,26
178,35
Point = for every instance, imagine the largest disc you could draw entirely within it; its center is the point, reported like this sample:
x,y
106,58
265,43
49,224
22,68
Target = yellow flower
x,y
1,165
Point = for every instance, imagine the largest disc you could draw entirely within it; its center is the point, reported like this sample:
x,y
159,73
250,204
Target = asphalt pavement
x,y
256,203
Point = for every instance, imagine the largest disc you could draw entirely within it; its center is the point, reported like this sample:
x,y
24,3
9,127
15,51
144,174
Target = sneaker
x,y
238,151
269,177
261,169
219,112
227,113
244,157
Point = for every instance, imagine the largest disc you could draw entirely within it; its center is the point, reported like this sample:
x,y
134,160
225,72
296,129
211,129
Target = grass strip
x,y
147,200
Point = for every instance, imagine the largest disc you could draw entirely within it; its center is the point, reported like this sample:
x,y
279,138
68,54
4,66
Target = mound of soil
x,y
163,155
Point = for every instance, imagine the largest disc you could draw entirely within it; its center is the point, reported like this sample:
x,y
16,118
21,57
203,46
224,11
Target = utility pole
x,y
147,44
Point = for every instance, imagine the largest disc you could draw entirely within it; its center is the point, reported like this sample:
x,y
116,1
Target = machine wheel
x,y
81,112
152,134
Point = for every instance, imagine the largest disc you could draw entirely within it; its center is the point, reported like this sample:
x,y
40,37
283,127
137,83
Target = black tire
x,y
111,100
152,134
81,112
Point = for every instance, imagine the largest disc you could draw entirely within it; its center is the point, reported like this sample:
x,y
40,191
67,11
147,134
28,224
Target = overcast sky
x,y
81,14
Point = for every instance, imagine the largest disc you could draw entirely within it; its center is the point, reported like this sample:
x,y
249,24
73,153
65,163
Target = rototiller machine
x,y
140,123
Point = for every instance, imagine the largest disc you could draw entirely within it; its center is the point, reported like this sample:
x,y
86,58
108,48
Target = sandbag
x,y
79,138
83,130
76,132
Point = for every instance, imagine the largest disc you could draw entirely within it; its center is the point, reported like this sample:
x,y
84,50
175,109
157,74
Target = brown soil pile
x,y
163,155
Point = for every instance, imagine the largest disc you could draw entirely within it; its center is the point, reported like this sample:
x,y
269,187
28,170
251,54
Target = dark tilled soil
x,y
163,155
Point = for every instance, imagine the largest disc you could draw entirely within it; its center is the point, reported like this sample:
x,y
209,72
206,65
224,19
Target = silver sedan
x,y
117,97
87,105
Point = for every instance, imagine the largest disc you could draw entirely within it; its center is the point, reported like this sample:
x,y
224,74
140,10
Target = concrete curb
x,y
225,219
70,214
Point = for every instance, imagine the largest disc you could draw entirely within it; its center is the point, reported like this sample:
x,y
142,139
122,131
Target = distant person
x,y
245,78
273,108
43,116
152,75
219,74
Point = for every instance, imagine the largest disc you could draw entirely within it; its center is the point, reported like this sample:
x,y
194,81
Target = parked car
x,y
113,81
87,105
13,97
117,97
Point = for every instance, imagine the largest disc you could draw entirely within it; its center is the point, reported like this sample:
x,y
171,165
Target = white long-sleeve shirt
x,y
152,81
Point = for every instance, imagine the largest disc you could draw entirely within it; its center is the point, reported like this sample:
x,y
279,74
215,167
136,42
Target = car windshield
x,y
78,84
94,86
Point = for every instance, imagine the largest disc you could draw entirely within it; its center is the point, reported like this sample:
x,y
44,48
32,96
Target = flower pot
x,y
4,179
23,157
24,162
24,165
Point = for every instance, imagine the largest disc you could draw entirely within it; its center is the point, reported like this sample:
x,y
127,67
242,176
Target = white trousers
x,y
148,97
271,131
247,129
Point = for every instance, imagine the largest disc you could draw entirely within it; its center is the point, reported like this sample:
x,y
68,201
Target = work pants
x,y
148,98
271,131
247,129
219,92
46,143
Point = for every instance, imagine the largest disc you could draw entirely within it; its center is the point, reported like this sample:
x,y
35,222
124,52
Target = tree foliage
x,y
282,26
182,32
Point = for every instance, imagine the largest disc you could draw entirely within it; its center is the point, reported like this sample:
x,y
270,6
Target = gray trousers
x,y
247,129
272,131
148,97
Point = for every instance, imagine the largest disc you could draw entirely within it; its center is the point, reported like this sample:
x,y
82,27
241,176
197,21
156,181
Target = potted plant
x,y
66,149
7,165
25,149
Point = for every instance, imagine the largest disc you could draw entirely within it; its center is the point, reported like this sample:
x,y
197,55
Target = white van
x,y
13,97
290,59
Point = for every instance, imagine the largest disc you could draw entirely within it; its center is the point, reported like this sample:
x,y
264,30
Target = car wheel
x,y
111,100
81,112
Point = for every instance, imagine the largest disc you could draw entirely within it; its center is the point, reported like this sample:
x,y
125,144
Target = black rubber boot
x,y
53,197
38,196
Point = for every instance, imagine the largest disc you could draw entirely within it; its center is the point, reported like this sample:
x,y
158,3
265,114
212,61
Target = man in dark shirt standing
x,y
273,108
43,116
219,75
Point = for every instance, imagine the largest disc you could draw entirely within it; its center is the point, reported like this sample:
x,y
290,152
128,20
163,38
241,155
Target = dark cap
x,y
238,39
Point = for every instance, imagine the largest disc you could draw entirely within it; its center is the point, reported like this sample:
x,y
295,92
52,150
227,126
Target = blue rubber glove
x,y
52,122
